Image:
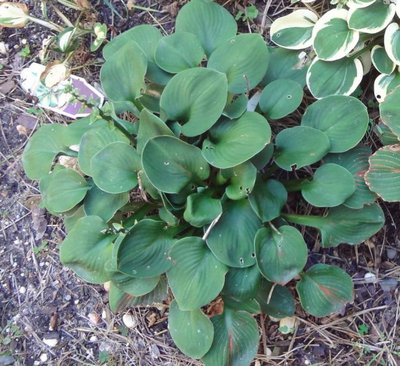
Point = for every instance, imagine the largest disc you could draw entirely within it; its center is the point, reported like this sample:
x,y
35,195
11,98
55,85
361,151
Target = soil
x,y
49,317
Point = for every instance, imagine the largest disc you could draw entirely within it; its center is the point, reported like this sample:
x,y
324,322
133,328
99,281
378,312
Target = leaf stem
x,y
306,220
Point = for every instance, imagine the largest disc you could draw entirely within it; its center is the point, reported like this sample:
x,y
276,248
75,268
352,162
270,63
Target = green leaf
x,y
247,62
330,186
64,189
232,238
236,339
134,286
157,296
344,225
294,31
70,219
390,111
332,37
236,107
373,18
280,98
95,140
178,52
144,251
241,180
261,159
392,42
300,146
210,22
381,60
201,209
324,290
102,204
281,254
267,199
122,75
86,249
386,84
232,142
192,331
41,150
383,175
193,265
385,135
150,126
343,119
356,162
196,98
74,132
171,164
340,77
114,168
241,284
279,304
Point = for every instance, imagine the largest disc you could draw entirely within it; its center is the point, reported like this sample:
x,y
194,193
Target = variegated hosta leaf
x,y
365,59
339,77
359,3
381,60
385,84
294,31
390,111
332,38
13,15
373,18
392,42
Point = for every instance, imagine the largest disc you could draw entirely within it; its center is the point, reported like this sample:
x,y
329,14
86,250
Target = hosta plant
x,y
198,195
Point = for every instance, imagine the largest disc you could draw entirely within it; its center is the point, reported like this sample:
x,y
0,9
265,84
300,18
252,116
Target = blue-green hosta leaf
x,y
63,190
192,331
280,98
122,75
210,22
324,290
196,277
385,84
232,238
330,186
241,180
70,219
343,119
236,339
356,162
134,286
235,108
74,132
381,60
201,209
390,111
281,253
372,18
178,52
195,98
385,135
233,142
383,175
261,159
340,77
241,284
332,38
392,42
247,62
268,198
87,248
114,168
144,251
300,146
294,31
171,164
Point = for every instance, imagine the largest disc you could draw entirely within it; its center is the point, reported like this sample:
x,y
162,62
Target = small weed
x,y
43,246
363,329
25,52
103,357
248,14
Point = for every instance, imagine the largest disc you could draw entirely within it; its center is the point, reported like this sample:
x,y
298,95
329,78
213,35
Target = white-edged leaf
x,y
359,3
385,84
381,60
392,42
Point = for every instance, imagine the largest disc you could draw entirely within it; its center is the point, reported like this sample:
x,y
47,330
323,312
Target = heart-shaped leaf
x,y
144,251
324,289
236,339
192,331
247,62
267,199
294,31
196,98
392,42
280,98
390,111
232,142
201,209
300,146
210,22
381,60
343,119
171,164
241,180
281,254
114,168
241,283
86,249
383,175
232,238
330,186
193,265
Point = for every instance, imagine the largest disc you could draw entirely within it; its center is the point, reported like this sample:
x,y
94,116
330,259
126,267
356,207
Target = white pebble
x,y
129,320
22,290
51,342
44,357
93,338
369,277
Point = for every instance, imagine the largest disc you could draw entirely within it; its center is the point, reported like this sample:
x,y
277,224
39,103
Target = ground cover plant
x,y
215,170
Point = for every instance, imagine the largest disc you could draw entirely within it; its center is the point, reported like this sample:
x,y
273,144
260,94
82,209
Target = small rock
x,y
130,321
370,277
67,297
22,290
3,48
94,318
44,357
388,284
6,360
51,339
93,338
391,253
154,352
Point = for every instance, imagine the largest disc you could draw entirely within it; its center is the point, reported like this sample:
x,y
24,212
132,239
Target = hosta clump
x,y
193,195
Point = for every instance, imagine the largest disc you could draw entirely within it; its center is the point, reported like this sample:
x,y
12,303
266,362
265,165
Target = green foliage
x,y
196,195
